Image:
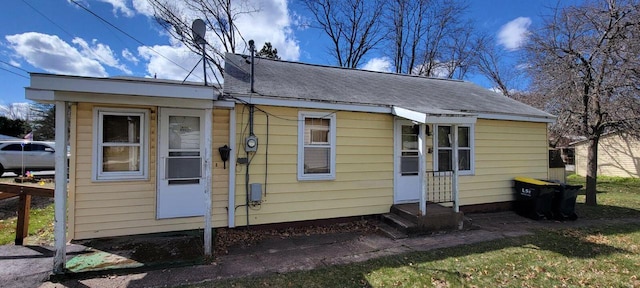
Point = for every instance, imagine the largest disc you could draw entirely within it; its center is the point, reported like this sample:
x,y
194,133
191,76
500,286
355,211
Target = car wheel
x,y
1,170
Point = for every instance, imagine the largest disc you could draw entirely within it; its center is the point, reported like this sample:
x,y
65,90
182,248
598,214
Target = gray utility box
x,y
255,192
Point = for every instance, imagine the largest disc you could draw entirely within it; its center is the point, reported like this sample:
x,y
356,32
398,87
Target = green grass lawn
x,y
594,257
617,198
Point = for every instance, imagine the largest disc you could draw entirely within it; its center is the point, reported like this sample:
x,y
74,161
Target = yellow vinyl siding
x,y
504,150
618,155
113,208
364,168
558,174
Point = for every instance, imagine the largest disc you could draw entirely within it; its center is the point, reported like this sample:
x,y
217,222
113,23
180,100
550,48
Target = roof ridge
x,y
353,69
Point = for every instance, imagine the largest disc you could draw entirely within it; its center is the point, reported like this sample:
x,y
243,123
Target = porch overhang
x,y
438,116
48,88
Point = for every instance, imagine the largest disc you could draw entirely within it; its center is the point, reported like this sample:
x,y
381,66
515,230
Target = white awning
x,y
437,116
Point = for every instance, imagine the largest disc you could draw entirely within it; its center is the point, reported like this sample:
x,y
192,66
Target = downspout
x,y
231,217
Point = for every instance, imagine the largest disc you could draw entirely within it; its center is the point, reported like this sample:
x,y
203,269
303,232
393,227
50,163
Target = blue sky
x,y
57,36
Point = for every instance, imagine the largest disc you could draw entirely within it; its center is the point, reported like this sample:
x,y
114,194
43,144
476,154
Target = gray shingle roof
x,y
283,79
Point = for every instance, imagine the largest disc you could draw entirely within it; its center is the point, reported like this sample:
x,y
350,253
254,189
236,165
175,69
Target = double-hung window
x,y
316,146
120,144
444,147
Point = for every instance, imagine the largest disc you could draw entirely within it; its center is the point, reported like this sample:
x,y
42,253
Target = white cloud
x,y
513,34
120,5
14,63
164,67
271,23
143,7
101,53
382,64
126,54
52,54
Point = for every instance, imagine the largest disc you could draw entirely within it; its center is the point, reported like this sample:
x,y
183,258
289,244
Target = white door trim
x,y
193,198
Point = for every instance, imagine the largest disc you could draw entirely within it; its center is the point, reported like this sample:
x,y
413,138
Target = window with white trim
x,y
444,148
316,146
120,144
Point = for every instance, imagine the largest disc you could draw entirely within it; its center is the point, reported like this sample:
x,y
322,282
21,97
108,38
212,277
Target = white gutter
x,y
302,103
491,116
142,87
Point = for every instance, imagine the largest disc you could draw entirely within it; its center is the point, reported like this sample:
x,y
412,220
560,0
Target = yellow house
x,y
618,155
282,142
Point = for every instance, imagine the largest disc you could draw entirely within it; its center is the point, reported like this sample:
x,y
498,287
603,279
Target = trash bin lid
x,y
535,181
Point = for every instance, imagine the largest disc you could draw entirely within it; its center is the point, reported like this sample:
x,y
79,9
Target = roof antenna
x,y
198,29
252,49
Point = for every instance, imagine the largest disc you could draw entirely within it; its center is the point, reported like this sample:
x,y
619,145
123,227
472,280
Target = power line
x,y
61,28
14,66
45,16
14,73
128,35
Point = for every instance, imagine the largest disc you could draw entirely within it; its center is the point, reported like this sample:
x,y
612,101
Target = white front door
x,y
181,144
407,185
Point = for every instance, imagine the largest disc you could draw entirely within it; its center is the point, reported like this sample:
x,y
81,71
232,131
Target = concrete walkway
x,y
305,253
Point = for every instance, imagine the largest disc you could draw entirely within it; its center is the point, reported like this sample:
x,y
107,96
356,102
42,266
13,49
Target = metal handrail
x,y
439,186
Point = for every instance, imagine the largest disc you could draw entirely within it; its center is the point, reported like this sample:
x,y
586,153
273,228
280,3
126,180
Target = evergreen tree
x,y
268,51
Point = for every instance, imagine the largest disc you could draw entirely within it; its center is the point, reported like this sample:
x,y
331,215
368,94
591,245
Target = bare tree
x,y
586,59
219,16
430,37
406,19
489,60
352,25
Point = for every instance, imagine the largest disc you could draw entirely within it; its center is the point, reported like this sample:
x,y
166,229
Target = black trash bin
x,y
534,197
564,202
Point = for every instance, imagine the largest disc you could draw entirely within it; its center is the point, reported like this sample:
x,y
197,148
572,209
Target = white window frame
x,y
472,148
98,174
302,115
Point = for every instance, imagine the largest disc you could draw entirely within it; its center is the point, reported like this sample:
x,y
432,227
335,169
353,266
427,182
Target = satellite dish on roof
x,y
198,28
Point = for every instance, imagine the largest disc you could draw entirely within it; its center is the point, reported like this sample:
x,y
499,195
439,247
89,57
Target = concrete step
x,y
404,212
390,232
399,223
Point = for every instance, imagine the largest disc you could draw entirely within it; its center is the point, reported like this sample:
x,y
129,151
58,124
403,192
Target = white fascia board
x,y
471,119
121,87
517,118
134,100
39,95
301,103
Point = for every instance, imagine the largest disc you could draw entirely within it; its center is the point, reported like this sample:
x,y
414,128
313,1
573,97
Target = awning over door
x,y
435,115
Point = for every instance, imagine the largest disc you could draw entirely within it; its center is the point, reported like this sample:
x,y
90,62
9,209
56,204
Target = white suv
x,y
28,155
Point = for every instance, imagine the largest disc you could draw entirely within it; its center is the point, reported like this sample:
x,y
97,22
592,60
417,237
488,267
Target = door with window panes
x,y
180,163
407,188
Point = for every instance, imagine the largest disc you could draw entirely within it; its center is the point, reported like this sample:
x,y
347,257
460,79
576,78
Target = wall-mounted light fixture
x,y
416,129
224,154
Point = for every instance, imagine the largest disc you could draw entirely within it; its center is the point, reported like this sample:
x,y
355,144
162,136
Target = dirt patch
x,y
242,237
